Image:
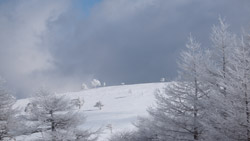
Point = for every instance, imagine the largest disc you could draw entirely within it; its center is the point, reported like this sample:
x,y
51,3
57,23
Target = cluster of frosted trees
x,y
209,101
95,83
47,117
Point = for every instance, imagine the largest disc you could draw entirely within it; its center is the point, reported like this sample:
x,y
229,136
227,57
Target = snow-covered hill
x,y
122,105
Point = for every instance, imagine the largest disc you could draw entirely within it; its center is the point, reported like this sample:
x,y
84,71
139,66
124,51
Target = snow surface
x,y
122,105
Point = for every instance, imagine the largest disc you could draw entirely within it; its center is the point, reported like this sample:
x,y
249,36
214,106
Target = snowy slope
x,y
122,105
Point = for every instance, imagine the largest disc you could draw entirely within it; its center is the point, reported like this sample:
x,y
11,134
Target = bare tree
x,y
99,105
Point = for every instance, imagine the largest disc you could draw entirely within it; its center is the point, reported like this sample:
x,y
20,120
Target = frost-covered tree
x,y
95,83
55,117
162,79
242,71
145,132
7,113
146,129
223,43
231,115
78,102
180,111
220,74
239,91
84,86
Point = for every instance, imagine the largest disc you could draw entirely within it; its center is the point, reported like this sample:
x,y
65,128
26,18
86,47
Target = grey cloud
x,y
139,41
131,41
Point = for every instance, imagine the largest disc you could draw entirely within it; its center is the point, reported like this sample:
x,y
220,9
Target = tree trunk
x,y
247,112
196,133
224,68
53,128
52,121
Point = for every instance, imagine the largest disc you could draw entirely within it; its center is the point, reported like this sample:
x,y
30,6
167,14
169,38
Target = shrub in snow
x,y
130,136
95,83
123,136
122,83
110,127
99,105
84,86
162,79
130,91
104,84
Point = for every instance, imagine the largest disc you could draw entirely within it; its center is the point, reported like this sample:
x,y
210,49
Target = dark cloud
x,y
131,41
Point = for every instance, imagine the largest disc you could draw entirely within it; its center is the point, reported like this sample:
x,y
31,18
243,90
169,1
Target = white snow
x,y
122,105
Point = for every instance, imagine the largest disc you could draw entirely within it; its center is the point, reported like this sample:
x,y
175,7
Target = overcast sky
x,y
62,43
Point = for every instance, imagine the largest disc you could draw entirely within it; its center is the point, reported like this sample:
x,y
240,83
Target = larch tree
x,y
180,108
238,97
219,75
218,58
223,42
56,118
